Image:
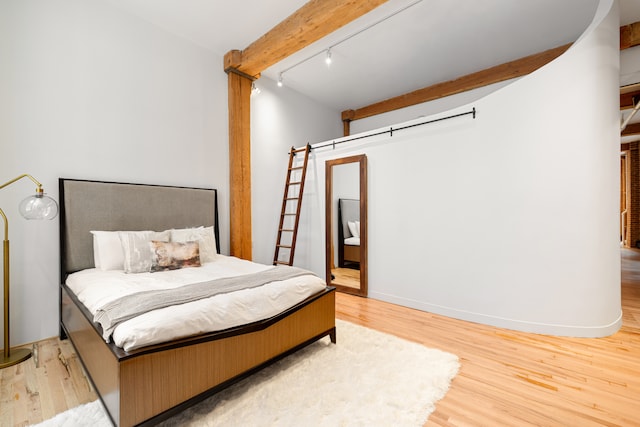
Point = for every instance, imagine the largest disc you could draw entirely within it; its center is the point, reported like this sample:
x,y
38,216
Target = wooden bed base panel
x,y
148,384
99,362
351,253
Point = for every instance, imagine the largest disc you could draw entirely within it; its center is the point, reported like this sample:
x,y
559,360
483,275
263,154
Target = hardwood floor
x,y
506,378
346,277
510,378
51,382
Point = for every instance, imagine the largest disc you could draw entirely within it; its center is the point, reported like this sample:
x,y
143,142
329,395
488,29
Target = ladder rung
x,y
291,180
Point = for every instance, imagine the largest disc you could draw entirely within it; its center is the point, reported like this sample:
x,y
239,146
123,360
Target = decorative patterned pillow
x,y
136,250
203,235
174,255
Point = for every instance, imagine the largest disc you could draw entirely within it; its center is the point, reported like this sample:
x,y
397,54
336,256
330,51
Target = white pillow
x,y
107,250
203,235
353,229
136,249
96,252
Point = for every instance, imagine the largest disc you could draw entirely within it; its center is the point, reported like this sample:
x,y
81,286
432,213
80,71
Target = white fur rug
x,y
367,379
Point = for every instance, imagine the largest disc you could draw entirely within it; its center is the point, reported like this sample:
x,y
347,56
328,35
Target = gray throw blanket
x,y
130,306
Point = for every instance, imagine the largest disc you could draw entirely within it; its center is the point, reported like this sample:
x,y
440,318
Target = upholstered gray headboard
x,y
112,206
348,210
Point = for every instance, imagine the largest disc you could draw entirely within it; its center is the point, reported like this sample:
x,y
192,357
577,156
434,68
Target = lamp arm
x,y
6,184
19,355
24,175
5,265
6,224
39,191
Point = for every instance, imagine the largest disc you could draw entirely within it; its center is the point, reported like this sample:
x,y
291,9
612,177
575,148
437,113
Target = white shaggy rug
x,y
367,379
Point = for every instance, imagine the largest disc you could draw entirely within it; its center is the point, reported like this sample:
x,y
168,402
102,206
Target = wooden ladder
x,y
289,219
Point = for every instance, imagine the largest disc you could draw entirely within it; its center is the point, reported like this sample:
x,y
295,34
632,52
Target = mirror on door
x,y
346,222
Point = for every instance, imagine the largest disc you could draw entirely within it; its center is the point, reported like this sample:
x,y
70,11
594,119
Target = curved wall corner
x,y
559,126
509,219
536,227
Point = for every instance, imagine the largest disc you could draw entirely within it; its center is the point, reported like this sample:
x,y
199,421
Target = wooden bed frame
x,y
145,386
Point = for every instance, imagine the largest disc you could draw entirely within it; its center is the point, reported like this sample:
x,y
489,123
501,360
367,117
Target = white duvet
x,y
94,288
352,241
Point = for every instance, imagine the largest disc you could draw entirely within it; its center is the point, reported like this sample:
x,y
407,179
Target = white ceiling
x,y
430,41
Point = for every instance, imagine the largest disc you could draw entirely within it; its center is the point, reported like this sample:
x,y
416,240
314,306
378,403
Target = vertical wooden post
x,y
346,127
347,117
239,165
314,20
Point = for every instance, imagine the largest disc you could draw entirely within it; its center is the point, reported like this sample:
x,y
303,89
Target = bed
x,y
152,380
348,232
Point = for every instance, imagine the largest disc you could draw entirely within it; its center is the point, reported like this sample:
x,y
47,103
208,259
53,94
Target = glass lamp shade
x,y
38,206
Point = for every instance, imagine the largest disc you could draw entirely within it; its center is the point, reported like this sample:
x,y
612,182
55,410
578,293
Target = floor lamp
x,y
37,206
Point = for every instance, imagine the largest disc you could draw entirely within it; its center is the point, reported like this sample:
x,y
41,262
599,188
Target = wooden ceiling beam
x,y
631,129
630,35
626,99
310,23
498,73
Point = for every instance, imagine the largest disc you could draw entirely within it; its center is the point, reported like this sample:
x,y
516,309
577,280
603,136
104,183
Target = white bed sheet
x,y
94,288
352,241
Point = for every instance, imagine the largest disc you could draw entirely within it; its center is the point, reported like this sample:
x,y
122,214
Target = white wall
x,y
282,118
421,111
523,234
509,219
630,66
90,92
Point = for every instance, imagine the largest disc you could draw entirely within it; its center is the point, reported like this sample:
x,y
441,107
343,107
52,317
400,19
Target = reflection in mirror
x,y
346,217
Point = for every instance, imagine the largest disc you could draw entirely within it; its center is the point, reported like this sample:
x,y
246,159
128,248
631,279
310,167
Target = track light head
x,y
280,80
328,57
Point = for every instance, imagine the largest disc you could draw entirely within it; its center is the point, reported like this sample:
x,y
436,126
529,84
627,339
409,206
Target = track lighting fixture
x,y
327,58
254,89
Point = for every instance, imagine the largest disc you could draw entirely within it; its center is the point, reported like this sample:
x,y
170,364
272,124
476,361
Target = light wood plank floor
x,y
51,382
512,378
506,378
346,277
